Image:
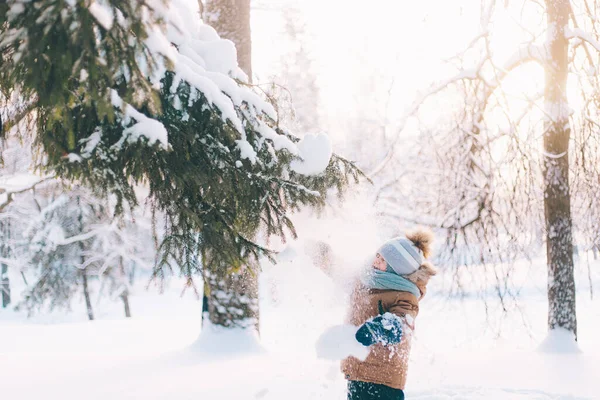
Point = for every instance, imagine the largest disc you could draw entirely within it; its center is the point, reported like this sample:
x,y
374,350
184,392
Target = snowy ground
x,y
460,351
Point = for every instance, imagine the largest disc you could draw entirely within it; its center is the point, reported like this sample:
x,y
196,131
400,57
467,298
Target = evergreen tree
x,y
140,92
231,298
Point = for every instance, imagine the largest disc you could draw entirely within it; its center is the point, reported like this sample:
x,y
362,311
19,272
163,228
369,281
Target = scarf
x,y
386,280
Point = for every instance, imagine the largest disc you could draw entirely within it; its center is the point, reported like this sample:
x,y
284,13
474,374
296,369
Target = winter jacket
x,y
385,365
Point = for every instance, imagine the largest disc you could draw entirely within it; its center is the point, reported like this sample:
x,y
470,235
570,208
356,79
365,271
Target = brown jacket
x,y
386,365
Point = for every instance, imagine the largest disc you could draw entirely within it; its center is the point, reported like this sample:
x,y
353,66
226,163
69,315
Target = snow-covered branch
x,y
9,189
10,261
578,33
146,127
530,52
76,238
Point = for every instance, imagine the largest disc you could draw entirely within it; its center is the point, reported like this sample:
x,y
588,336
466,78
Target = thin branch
x,y
9,194
577,33
525,54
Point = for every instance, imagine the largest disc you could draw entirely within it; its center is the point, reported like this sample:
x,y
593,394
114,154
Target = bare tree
x,y
12,175
73,244
509,171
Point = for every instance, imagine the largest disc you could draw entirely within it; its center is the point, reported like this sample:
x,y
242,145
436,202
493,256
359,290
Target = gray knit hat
x,y
402,255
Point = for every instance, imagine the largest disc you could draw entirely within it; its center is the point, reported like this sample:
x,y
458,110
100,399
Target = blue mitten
x,y
385,329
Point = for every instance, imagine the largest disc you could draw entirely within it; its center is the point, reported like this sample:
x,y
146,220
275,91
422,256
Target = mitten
x,y
385,329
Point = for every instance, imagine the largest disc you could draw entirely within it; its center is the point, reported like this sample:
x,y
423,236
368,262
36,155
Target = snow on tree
x,y
231,299
12,216
56,244
118,244
16,184
231,19
73,240
142,92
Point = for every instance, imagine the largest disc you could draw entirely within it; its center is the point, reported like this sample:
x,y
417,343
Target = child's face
x,y
379,263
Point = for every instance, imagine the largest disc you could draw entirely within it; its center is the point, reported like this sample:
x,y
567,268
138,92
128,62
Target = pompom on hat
x,y
404,255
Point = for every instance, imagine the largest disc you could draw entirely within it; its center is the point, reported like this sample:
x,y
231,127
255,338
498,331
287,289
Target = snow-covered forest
x,y
191,191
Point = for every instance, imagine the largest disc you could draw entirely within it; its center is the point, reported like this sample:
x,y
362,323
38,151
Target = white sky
x,y
352,39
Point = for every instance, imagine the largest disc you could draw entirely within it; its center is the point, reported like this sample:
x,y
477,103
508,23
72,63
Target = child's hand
x,y
385,329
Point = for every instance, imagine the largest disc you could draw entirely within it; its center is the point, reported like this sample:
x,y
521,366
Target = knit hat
x,y
404,255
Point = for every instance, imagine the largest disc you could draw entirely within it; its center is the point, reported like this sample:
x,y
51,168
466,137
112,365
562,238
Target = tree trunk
x,y
4,280
125,298
86,294
205,303
232,298
5,286
125,294
557,200
231,19
86,291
